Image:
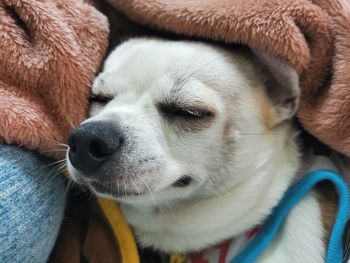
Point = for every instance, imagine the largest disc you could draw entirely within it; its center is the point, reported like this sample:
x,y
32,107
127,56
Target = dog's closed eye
x,y
100,98
187,113
186,117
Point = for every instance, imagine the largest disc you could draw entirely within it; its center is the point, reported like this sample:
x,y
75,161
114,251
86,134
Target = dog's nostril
x,y
101,148
98,150
121,140
183,181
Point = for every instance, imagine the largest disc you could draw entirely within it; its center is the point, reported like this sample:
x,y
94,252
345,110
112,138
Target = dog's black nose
x,y
92,143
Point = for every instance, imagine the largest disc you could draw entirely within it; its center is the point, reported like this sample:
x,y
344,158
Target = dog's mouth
x,y
126,189
108,189
183,181
105,188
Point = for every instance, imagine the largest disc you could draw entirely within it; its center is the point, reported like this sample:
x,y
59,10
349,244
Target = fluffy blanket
x,y
314,36
50,51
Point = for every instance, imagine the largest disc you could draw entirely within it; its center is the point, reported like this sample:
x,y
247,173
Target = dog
x,y
197,144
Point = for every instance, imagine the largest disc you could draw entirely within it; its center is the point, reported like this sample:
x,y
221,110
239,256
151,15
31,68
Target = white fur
x,y
239,176
300,238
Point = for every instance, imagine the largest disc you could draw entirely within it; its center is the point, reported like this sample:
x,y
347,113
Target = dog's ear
x,y
282,84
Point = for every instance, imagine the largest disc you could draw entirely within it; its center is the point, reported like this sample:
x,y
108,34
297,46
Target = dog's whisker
x,y
63,151
55,163
172,212
70,184
118,188
137,189
149,189
217,194
56,170
124,189
15,161
212,190
115,181
62,169
70,123
111,186
54,141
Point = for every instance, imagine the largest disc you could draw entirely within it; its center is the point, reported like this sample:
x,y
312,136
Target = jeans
x,y
31,205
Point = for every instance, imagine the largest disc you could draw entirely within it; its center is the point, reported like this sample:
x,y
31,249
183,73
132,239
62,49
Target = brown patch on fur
x,y
228,126
328,202
268,113
230,113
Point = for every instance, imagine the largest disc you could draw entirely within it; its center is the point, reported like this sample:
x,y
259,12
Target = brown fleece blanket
x,y
314,36
50,51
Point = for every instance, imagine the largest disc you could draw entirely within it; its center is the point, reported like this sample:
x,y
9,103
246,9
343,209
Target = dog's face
x,y
176,122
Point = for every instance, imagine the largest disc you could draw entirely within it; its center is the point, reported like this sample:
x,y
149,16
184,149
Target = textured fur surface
x,y
241,154
312,35
49,54
55,47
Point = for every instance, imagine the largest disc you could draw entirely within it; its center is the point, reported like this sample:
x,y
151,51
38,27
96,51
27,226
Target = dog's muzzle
x,y
92,144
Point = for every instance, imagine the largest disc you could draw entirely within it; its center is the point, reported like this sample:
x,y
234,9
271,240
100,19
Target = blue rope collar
x,y
294,195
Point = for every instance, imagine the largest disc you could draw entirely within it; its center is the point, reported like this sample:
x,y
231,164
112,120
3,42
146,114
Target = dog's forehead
x,y
159,69
152,68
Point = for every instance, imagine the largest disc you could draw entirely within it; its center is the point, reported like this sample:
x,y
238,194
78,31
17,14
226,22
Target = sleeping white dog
x,y
196,143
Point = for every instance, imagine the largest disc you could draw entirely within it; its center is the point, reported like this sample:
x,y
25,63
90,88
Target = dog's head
x,y
177,121
170,119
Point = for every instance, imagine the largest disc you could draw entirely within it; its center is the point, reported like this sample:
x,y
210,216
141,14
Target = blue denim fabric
x,y
31,206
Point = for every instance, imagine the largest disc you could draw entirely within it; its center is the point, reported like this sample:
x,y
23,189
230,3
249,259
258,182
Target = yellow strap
x,y
177,258
122,231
